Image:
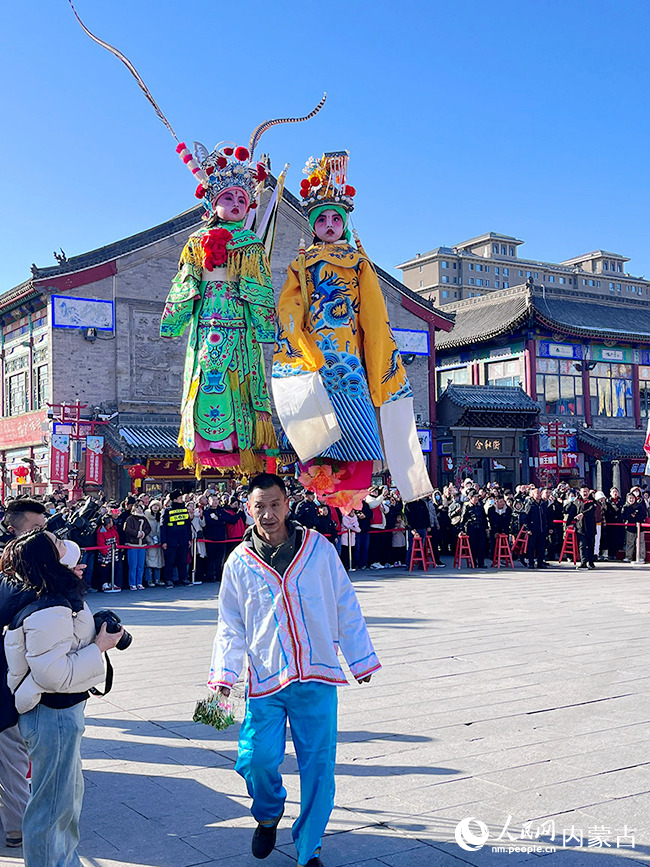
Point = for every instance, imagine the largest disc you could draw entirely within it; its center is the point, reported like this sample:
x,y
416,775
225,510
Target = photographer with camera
x,y
54,656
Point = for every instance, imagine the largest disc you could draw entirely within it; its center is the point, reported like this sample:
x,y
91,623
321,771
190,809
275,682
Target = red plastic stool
x,y
502,552
521,543
463,551
570,546
418,554
428,550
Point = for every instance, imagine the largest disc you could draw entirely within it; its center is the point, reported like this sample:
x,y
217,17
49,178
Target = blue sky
x,y
527,118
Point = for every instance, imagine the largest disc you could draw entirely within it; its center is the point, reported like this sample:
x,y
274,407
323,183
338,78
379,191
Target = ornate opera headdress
x,y
326,182
228,165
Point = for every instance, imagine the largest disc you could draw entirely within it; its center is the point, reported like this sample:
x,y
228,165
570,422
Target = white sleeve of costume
x,y
229,649
354,639
306,414
403,451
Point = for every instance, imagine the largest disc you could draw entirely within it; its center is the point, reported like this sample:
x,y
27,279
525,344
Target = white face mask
x,y
72,554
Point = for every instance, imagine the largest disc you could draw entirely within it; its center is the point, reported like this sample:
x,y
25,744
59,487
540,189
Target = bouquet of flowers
x,y
216,710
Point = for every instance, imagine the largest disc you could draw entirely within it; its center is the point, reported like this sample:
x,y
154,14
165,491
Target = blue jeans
x,y
311,710
136,558
152,573
361,550
51,822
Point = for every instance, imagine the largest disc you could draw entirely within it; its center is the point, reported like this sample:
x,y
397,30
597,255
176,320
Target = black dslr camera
x,y
113,624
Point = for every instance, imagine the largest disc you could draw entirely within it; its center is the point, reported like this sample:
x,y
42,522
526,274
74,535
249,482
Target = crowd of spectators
x,y
163,540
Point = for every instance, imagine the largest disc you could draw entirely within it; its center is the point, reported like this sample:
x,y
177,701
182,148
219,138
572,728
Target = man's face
x,y
536,494
269,509
584,492
29,521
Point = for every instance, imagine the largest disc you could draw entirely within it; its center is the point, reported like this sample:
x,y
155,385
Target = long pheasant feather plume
x,y
263,127
134,72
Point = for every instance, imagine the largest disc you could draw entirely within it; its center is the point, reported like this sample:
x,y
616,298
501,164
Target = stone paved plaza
x,y
510,697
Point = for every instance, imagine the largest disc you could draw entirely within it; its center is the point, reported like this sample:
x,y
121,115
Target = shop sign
x,y
94,459
60,458
606,353
22,430
487,445
411,342
424,437
638,468
559,350
548,459
448,464
569,460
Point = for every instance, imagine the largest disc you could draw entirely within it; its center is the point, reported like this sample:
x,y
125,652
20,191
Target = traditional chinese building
x,y
87,331
583,359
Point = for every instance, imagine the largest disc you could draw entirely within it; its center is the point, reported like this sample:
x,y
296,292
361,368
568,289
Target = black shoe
x,y
263,841
582,566
542,565
315,862
185,582
592,565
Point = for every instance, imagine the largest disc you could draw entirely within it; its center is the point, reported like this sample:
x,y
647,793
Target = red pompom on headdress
x,y
261,173
200,191
228,151
350,191
241,154
214,248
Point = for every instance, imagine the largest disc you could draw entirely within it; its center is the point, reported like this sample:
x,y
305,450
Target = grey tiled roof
x,y
501,398
594,316
480,319
150,441
614,445
564,311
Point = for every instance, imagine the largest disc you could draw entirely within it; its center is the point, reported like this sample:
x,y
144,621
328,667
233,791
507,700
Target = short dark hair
x,y
264,481
17,508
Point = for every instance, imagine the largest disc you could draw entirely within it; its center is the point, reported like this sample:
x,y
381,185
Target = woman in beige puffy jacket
x,y
54,657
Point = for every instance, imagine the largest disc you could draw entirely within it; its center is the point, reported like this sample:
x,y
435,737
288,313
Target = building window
x,y
421,284
584,282
16,394
521,273
444,263
611,390
471,266
445,279
559,387
479,267
420,269
487,283
479,281
506,285
551,278
611,287
528,274
644,390
535,275
504,250
454,264
504,372
619,268
445,293
496,284
455,375
605,265
618,287
471,281
506,272
41,386
455,279
487,269
562,280
496,269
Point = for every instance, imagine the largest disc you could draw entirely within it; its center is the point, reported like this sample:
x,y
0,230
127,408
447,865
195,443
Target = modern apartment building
x,y
447,275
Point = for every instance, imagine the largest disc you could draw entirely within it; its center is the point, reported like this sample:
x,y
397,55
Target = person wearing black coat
x,y
585,523
418,521
633,513
307,512
499,517
614,534
535,521
475,524
554,517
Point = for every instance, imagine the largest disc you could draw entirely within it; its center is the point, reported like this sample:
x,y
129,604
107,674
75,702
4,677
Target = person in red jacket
x,y
107,542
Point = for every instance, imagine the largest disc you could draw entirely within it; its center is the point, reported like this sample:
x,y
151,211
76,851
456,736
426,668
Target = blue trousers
x,y
51,822
136,558
310,708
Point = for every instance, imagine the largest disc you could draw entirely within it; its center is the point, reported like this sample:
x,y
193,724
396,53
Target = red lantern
x,y
137,471
21,472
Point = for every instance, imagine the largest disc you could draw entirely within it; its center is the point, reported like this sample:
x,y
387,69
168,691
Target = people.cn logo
x,y
467,838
